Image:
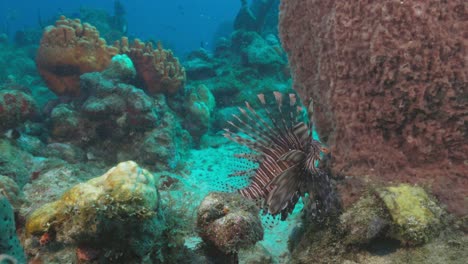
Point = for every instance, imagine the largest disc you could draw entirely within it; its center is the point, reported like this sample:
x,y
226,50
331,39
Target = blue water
x,y
184,24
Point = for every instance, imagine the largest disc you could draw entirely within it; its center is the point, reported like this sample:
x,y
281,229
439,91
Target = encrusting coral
x,y
159,70
415,216
69,49
117,211
125,189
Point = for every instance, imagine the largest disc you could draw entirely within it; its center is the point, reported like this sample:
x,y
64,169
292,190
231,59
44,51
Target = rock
x,y
15,108
15,163
366,220
257,255
65,122
11,191
121,68
122,106
229,222
200,104
260,54
65,151
198,69
117,211
387,79
416,218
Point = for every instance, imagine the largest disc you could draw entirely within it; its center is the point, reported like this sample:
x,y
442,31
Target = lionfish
x,y
286,155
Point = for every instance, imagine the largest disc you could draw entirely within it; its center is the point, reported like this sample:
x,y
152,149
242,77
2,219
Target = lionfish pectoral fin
x,y
295,156
286,185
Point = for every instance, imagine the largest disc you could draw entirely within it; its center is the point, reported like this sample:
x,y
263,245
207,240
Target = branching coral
x,y
159,70
69,49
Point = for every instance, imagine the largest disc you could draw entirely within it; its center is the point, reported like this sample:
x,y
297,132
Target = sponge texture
x,y
9,243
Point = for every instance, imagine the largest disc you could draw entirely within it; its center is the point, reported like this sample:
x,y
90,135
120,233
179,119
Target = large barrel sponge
x,y
388,80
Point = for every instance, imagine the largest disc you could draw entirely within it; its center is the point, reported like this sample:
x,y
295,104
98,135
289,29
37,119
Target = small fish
x,y
285,152
13,134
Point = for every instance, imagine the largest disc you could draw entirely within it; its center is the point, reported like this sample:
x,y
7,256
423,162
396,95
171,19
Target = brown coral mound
x,y
69,49
159,70
389,83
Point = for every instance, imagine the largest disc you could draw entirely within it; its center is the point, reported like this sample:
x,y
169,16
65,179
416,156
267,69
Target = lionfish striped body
x,y
284,150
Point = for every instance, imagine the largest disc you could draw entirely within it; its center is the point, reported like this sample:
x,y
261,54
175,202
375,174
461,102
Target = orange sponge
x,y
158,68
69,49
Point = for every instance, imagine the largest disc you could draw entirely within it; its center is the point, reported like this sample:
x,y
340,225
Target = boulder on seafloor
x,y
116,214
15,108
366,220
405,213
11,191
415,217
15,163
229,222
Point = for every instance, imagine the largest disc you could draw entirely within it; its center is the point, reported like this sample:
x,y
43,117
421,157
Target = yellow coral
x,y
415,216
126,189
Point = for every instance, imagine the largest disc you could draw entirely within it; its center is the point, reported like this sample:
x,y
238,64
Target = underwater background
x,y
262,131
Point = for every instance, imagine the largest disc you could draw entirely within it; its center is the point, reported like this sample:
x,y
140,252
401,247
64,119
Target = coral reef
x,y
394,224
115,214
388,80
159,70
145,128
15,108
9,243
228,222
69,49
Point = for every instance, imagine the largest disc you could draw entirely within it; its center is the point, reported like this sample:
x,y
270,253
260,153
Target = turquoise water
x,y
173,132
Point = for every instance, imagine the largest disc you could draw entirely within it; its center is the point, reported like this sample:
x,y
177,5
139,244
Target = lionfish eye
x,y
324,150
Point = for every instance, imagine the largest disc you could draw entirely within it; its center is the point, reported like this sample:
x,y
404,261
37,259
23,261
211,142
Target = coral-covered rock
x,y
200,104
117,211
365,221
11,191
229,222
416,218
119,122
159,70
15,108
67,152
257,52
199,69
15,163
388,80
69,49
65,122
120,68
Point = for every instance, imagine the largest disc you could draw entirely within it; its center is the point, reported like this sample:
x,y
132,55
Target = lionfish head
x,y
282,146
